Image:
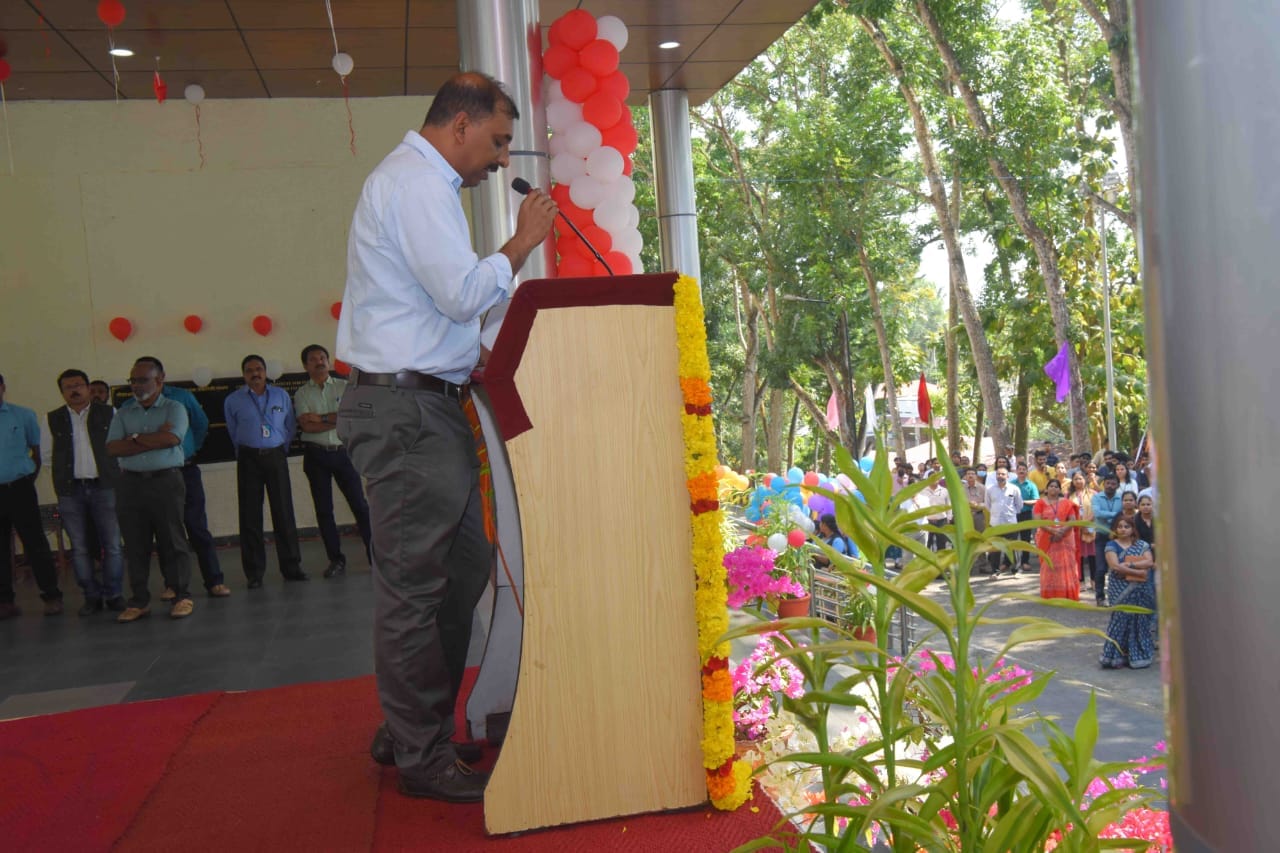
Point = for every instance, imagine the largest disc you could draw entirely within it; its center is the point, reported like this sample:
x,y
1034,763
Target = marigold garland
x,y
728,779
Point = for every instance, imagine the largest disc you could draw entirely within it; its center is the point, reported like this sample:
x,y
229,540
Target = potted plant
x,y
859,613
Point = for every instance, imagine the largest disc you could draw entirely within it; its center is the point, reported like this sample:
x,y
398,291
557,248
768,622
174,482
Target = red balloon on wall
x,y
262,325
574,267
111,12
574,29
192,323
120,328
335,309
599,238
602,109
578,85
559,61
621,136
5,70
599,57
616,84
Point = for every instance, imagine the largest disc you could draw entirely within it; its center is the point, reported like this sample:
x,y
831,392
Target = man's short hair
x,y
151,360
1111,478
476,94
244,362
101,382
1041,452
69,374
1122,457
1,378
306,353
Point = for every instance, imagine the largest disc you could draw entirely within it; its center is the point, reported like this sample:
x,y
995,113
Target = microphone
x,y
523,187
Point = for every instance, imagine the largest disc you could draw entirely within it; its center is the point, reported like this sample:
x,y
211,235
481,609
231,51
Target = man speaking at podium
x,y
410,328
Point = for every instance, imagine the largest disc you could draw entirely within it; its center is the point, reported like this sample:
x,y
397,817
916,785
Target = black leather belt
x,y
410,380
147,475
263,451
308,445
86,479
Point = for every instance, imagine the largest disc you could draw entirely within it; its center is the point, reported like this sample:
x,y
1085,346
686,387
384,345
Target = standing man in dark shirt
x,y
261,425
194,516
410,325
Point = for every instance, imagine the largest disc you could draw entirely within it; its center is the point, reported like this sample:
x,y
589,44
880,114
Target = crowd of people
x,y
127,485
1113,558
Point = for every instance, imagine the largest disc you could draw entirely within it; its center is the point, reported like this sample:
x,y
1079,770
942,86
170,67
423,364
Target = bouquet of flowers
x,y
752,573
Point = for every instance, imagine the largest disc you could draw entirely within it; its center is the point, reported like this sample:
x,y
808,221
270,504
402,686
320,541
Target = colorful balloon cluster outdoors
x,y
592,141
794,488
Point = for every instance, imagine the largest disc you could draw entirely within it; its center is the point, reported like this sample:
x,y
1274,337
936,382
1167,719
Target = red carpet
x,y
282,769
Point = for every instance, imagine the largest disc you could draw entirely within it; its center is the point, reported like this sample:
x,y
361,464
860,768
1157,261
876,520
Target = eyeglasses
x,y
140,380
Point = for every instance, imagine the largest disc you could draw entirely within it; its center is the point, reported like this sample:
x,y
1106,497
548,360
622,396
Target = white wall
x,y
108,213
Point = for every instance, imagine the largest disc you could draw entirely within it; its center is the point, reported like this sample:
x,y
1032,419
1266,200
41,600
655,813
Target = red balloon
x,y
120,328
627,166
599,238
795,538
111,12
262,325
569,209
569,246
335,309
603,110
811,479
192,323
576,29
5,70
619,263
573,267
616,84
599,57
621,136
341,368
598,270
560,195
578,85
559,61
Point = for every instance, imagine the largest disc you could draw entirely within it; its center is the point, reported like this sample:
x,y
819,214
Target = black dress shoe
x,y
337,568
470,752
117,604
91,606
383,748
297,576
456,783
255,583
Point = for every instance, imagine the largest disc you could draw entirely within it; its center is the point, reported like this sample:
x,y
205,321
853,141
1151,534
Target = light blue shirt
x,y
19,432
1106,509
415,289
197,420
259,421
132,417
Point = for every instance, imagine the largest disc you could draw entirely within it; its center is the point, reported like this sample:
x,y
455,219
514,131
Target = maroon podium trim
x,y
537,295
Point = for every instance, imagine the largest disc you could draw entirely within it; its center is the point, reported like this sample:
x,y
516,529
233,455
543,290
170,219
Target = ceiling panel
x,y
301,49
434,13
178,49
736,42
139,14
323,83
303,14
36,51
432,46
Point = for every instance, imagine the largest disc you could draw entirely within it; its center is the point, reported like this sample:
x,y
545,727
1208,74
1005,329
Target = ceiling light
x,y
120,51
668,45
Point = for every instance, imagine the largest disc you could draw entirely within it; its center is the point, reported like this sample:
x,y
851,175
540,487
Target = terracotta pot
x,y
789,607
867,633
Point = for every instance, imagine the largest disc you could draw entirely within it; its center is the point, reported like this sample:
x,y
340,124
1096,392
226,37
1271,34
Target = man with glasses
x,y
84,479
146,436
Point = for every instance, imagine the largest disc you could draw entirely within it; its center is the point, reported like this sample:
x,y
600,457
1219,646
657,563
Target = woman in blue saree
x,y
1132,582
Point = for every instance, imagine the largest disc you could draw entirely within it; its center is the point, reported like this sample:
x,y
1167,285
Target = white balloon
x,y
343,64
274,369
556,144
567,167
582,138
612,30
551,91
563,114
610,214
636,266
202,376
633,216
808,525
194,93
586,192
628,242
625,191
605,165
777,543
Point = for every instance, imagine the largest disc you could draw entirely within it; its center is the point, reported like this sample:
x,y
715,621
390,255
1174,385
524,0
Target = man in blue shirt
x,y
261,424
1030,494
1106,506
20,507
146,437
194,517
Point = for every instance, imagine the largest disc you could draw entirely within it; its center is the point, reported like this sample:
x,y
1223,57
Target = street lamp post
x,y
1109,184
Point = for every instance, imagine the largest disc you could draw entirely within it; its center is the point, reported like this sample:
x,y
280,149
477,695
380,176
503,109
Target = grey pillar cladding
x,y
1210,218
673,182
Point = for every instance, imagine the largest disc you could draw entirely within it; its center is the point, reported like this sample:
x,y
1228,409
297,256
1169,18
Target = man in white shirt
x,y
935,495
1004,502
410,327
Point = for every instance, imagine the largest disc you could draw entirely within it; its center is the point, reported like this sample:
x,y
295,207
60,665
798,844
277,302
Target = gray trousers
x,y
149,505
431,558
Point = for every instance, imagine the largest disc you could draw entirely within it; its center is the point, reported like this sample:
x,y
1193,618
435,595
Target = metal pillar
x,y
1210,214
495,36
673,182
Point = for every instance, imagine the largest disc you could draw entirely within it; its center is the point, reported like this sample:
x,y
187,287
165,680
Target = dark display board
x,y
217,447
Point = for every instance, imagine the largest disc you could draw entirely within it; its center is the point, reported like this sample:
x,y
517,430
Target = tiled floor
x,y
279,634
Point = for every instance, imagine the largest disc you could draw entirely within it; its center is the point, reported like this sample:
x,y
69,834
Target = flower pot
x,y
789,607
867,633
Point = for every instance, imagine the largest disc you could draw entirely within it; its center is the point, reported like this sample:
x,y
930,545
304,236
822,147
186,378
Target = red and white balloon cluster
x,y
592,140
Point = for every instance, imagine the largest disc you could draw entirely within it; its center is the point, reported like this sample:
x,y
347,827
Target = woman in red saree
x,y
1059,575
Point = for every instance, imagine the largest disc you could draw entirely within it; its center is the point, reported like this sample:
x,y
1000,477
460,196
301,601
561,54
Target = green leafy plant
x,y
952,765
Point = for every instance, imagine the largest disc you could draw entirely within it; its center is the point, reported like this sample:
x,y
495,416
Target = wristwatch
x,y
133,437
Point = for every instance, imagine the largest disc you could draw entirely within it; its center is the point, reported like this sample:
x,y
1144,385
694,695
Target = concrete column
x,y
673,182
503,39
1210,213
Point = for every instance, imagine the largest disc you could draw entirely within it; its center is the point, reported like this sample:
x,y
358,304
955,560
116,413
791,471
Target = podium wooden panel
x,y
607,716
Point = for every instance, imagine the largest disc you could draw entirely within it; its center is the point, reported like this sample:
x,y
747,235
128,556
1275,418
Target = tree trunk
x,y
791,434
748,334
774,424
1117,32
882,340
1046,252
981,349
1021,416
977,433
953,371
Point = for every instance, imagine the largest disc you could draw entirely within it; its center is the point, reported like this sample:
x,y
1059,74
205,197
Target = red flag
x,y
922,401
159,87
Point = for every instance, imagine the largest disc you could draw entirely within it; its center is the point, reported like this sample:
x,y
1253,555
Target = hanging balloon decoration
x,y
194,94
593,138
262,325
111,13
120,328
192,323
158,85
336,310
274,369
5,71
202,376
343,65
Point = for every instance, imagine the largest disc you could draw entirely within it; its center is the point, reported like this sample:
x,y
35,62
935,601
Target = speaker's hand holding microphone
x,y
522,186
533,223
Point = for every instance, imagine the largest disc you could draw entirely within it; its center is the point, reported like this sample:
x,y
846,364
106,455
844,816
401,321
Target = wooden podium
x,y
607,717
